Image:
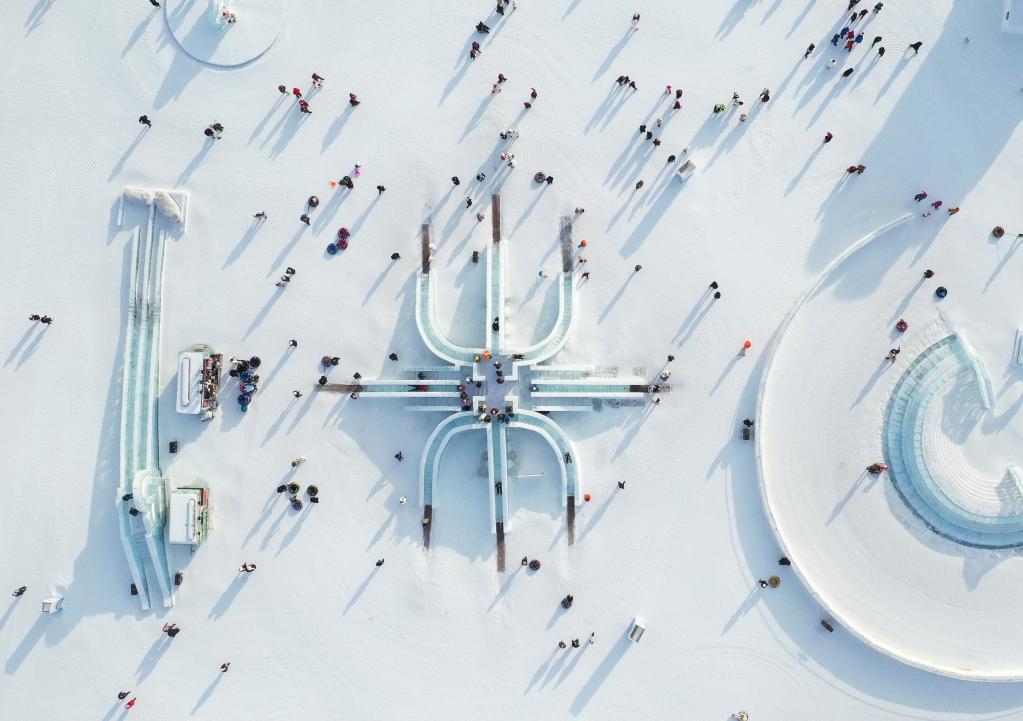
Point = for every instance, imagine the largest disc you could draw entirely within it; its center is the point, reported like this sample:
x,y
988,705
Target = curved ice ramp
x,y
980,371
142,535
912,474
556,339
429,465
559,443
434,339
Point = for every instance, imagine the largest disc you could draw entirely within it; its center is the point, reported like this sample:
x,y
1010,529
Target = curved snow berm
x,y
829,405
193,25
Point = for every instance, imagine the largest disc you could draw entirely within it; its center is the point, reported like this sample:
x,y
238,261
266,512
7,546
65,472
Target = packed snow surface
x,y
318,631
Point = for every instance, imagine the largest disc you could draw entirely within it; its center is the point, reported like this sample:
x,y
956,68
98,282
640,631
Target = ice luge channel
x,y
141,498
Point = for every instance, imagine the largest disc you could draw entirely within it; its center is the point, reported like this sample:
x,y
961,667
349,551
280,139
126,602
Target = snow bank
x,y
139,195
169,207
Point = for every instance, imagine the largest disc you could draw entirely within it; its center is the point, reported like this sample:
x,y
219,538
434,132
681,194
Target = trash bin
x,y
637,630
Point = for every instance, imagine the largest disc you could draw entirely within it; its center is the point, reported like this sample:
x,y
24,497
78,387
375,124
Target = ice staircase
x,y
930,372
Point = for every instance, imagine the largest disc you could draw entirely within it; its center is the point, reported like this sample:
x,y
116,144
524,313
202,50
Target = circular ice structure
x,y
920,562
202,28
952,499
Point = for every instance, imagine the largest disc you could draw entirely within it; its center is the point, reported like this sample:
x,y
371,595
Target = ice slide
x,y
142,482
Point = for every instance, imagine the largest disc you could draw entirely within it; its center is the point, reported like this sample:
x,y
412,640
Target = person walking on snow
x,y
835,38
809,50
123,695
224,666
920,196
849,43
635,21
400,456
859,38
146,121
877,39
847,72
132,701
916,47
296,92
828,136
936,204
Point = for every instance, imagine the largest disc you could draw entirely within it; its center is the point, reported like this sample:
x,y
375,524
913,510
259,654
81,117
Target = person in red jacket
x,y
130,703
296,92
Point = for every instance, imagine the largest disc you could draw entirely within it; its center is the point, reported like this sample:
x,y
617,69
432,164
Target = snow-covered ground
x,y
318,631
